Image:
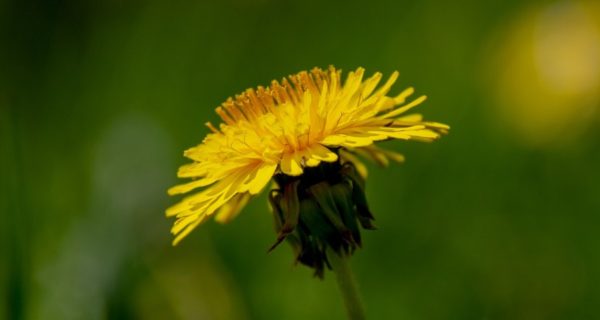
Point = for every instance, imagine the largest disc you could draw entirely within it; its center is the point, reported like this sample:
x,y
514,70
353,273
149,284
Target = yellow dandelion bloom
x,y
298,123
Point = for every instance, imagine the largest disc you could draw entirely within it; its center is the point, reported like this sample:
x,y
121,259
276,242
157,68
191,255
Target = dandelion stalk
x,y
347,284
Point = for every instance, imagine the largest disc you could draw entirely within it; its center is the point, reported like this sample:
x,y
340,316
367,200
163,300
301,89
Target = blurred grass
x,y
98,100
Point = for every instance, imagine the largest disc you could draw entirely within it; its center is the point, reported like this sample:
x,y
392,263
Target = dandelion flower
x,y
307,134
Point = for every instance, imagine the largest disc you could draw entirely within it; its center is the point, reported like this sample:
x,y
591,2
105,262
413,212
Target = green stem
x,y
347,285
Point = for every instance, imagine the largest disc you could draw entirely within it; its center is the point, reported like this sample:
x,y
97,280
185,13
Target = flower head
x,y
305,132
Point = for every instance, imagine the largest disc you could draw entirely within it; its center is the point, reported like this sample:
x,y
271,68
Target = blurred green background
x,y
98,100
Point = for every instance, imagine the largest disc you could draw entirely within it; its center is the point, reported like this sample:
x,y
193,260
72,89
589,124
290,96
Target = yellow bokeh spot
x,y
546,72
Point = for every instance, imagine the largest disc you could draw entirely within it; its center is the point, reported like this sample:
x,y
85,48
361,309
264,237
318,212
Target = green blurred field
x,y
98,100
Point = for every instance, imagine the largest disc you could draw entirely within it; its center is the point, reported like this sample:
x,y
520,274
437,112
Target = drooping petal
x,y
321,153
232,208
290,166
263,175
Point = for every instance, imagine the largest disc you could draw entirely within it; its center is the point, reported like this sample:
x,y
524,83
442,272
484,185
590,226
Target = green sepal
x,y
290,209
322,193
342,194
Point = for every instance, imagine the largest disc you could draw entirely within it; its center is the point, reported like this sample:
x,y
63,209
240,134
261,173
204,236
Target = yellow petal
x,y
423,134
405,108
177,208
289,165
359,165
334,140
187,230
263,176
395,156
183,188
312,162
373,154
357,142
353,141
401,98
218,202
415,117
191,170
323,154
180,224
188,203
232,208
370,84
437,125
381,91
